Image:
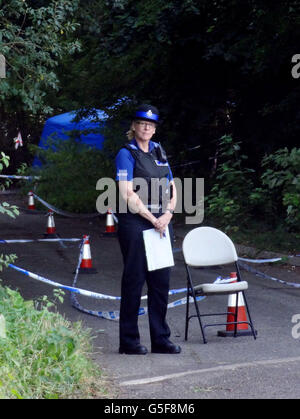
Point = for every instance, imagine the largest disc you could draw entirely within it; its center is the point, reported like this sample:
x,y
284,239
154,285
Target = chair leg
x,y
187,314
254,333
246,303
199,317
236,314
191,288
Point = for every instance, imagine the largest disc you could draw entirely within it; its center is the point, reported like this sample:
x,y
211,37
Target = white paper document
x,y
159,252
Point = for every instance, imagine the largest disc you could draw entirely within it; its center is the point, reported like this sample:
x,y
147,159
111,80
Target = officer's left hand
x,y
162,222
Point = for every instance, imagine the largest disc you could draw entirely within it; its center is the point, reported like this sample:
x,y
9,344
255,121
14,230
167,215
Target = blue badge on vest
x,y
160,163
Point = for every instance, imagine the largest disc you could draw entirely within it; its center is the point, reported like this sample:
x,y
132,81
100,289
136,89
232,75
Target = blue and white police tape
x,y
177,250
116,220
64,213
263,275
260,260
65,287
73,298
38,240
115,314
20,177
267,260
79,290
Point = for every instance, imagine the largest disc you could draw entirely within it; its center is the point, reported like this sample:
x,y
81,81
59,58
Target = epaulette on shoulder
x,y
130,146
161,152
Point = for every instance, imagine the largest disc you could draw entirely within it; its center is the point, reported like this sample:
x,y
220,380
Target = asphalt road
x,y
224,368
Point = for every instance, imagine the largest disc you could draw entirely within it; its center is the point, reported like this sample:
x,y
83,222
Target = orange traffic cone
x,y
51,229
242,328
86,266
110,229
31,205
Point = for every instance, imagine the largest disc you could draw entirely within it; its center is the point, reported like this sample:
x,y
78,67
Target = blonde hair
x,y
130,133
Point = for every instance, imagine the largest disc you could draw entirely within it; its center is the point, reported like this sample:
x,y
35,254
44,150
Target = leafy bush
x,y
235,200
281,178
227,202
7,209
44,355
69,174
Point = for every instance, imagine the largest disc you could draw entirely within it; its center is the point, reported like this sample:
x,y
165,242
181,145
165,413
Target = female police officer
x,y
144,159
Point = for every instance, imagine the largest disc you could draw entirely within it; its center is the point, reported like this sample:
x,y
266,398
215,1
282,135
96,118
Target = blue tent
x,y
59,125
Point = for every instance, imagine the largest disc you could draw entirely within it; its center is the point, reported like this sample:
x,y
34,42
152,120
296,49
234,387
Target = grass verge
x,y
44,356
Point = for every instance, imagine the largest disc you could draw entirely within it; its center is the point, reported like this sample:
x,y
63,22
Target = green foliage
x,y
8,209
5,208
69,174
33,37
5,260
4,162
43,355
236,200
227,201
208,66
282,179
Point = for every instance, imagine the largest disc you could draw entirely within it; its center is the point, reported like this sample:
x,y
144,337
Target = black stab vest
x,y
153,168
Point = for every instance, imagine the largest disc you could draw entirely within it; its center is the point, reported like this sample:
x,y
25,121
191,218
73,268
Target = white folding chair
x,y
205,247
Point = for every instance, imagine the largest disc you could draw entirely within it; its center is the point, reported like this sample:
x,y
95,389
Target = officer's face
x,y
144,130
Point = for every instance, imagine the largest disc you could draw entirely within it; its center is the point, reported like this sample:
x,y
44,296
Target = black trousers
x,y
135,275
